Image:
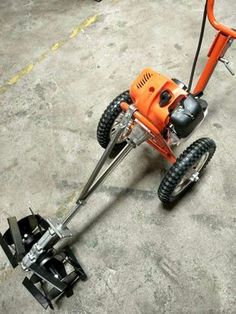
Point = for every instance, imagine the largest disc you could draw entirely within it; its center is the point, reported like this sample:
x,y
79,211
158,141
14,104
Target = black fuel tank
x,y
187,116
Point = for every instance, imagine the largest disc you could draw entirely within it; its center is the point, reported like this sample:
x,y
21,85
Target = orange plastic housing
x,y
146,91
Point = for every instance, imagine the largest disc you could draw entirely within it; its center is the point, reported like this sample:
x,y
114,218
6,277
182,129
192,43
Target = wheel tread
x,y
187,159
110,114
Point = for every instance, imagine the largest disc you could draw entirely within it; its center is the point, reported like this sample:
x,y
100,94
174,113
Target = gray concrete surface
x,y
140,258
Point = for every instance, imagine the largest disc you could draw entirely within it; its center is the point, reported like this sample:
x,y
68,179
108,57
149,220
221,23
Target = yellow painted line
x,y
56,46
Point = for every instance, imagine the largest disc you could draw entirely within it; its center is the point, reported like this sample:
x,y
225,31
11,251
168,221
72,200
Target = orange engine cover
x,y
146,92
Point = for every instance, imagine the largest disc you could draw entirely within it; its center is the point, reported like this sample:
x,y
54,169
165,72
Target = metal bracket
x,y
227,65
138,136
58,228
125,122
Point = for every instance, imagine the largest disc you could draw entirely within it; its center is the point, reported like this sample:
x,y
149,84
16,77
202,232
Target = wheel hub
x,y
191,176
115,127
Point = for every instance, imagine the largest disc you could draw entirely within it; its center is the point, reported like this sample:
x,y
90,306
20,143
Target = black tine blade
x,y
53,294
58,268
70,280
36,293
27,225
35,279
34,217
69,292
45,275
8,252
17,239
74,262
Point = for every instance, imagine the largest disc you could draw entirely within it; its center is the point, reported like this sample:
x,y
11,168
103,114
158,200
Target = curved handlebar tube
x,y
219,26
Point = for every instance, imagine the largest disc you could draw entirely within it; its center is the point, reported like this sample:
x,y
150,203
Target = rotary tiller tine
x,y
37,294
46,276
70,280
12,259
29,223
74,262
17,238
36,220
58,268
35,279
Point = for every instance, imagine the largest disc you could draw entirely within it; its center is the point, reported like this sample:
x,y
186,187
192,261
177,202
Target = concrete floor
x,y
140,258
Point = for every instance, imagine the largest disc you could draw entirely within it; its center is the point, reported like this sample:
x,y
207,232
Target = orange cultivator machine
x,y
157,110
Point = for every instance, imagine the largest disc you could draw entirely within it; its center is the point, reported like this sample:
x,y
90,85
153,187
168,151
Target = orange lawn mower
x,y
157,110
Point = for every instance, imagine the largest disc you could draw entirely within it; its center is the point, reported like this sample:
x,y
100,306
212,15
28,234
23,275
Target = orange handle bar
x,y
220,27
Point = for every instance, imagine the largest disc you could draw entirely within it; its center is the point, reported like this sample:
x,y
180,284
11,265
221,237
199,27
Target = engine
x,y
185,118
166,103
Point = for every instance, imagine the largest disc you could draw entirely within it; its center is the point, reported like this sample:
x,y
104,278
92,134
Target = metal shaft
x,y
99,165
93,185
80,201
50,237
138,136
59,229
110,168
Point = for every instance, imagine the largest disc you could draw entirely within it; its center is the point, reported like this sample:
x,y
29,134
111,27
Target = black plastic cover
x,y
187,116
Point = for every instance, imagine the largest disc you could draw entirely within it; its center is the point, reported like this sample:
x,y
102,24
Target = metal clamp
x,y
227,65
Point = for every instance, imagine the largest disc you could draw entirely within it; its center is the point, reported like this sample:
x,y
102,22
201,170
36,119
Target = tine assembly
x,y
50,278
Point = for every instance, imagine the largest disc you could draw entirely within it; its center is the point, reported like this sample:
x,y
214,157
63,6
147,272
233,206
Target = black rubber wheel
x,y
187,170
108,119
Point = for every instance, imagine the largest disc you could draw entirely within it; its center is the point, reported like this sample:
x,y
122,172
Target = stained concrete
x,y
139,257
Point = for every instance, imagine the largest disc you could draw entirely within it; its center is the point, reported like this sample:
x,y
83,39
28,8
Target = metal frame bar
x,y
36,293
92,183
12,259
217,51
16,237
91,187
